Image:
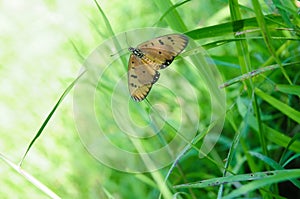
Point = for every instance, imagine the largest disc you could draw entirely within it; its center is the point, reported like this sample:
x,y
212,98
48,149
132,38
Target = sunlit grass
x,y
41,53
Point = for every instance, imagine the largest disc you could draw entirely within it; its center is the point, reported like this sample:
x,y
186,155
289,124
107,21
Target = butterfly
x,y
147,58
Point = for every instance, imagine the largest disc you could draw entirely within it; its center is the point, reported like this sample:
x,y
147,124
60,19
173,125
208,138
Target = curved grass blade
x,y
263,178
267,36
288,89
50,115
111,32
273,164
232,27
30,178
170,9
255,73
269,178
282,107
173,19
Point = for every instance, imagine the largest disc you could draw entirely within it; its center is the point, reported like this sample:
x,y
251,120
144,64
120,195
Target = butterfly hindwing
x,y
147,58
141,77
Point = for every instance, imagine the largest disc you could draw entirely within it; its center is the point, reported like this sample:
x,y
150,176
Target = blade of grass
x,y
65,93
288,89
242,47
245,64
170,9
267,36
173,18
241,130
106,21
271,177
273,164
260,179
285,12
282,107
146,180
275,136
230,28
79,55
111,32
260,71
293,158
218,43
30,178
285,155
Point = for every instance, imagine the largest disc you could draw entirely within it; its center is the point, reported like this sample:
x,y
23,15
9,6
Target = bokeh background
x,y
42,46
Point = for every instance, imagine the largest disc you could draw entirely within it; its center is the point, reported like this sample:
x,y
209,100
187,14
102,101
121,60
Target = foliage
x,y
255,46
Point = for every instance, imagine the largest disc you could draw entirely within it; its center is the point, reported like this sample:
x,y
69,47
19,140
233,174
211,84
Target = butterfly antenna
x,y
126,39
118,52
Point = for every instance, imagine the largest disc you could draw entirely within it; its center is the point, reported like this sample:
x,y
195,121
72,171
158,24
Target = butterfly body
x,y
136,52
147,58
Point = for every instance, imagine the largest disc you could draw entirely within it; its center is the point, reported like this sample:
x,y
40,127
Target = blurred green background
x,y
39,61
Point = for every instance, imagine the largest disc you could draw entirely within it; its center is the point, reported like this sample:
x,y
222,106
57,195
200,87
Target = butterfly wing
x,y
141,77
147,58
162,50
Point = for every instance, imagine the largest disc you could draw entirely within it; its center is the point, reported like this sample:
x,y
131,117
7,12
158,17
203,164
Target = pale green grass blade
x,y
260,179
40,131
229,28
259,72
275,136
39,185
284,160
170,9
111,32
273,164
173,18
282,107
288,89
106,21
270,178
267,36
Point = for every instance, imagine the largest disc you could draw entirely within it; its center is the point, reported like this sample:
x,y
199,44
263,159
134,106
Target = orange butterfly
x,y
147,58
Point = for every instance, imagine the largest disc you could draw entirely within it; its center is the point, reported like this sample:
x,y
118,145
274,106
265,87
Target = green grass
x,y
254,46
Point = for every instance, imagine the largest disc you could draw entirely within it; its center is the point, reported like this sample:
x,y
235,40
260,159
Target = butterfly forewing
x,y
162,50
175,43
149,57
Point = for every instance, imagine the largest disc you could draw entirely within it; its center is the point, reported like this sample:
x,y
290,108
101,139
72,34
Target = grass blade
x,y
65,93
282,107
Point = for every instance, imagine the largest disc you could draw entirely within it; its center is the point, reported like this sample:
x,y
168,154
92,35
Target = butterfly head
x,y
137,52
131,49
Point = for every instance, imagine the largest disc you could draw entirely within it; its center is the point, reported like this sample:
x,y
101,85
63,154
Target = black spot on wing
x,y
166,63
133,85
171,40
156,77
161,42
